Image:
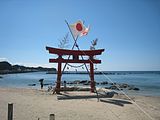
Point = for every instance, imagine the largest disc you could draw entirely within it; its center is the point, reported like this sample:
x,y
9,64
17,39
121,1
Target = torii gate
x,y
75,59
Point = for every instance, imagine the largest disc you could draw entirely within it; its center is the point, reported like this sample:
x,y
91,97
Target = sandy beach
x,y
31,104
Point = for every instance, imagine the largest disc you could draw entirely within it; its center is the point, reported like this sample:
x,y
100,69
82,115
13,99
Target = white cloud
x,y
3,59
33,64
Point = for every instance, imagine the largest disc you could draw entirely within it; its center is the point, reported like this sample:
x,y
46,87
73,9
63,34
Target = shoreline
x,y
83,72
78,91
34,103
107,72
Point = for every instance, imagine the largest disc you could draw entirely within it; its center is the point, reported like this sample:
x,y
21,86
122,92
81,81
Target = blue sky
x,y
128,30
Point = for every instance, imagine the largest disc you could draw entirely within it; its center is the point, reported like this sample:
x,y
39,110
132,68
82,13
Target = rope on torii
x,y
75,66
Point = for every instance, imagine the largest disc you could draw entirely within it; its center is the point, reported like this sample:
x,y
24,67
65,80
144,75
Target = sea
x,y
147,82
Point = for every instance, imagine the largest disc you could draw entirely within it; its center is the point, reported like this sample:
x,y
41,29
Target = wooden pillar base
x,y
58,87
92,86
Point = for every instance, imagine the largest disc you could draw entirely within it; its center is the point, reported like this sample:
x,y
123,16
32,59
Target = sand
x,y
30,104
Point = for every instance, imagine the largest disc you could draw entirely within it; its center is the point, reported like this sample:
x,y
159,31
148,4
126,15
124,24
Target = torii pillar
x,y
92,77
59,74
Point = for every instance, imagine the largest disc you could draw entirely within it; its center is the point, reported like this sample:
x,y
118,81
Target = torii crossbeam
x,y
74,59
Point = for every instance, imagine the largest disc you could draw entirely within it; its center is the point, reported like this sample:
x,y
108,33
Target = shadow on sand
x,y
69,97
116,102
100,98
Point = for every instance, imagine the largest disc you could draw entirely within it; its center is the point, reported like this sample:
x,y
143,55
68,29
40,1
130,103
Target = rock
x,y
70,83
112,83
113,87
83,81
124,85
76,82
97,83
31,84
46,84
104,83
87,83
107,87
136,89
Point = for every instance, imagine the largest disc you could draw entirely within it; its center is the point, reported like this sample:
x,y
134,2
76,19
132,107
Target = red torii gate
x,y
75,59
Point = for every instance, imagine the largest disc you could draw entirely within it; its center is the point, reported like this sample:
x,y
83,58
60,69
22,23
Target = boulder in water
x,y
136,89
113,83
31,84
104,83
124,85
83,81
87,83
76,82
113,87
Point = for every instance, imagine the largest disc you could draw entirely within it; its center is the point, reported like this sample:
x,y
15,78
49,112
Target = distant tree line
x,y
6,67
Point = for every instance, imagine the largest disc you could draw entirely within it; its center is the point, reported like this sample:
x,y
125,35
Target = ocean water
x,y
148,83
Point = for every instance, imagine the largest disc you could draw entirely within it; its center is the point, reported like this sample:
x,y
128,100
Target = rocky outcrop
x,y
6,67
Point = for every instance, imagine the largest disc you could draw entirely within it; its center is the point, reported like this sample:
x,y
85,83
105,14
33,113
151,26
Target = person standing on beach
x,y
65,86
41,83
